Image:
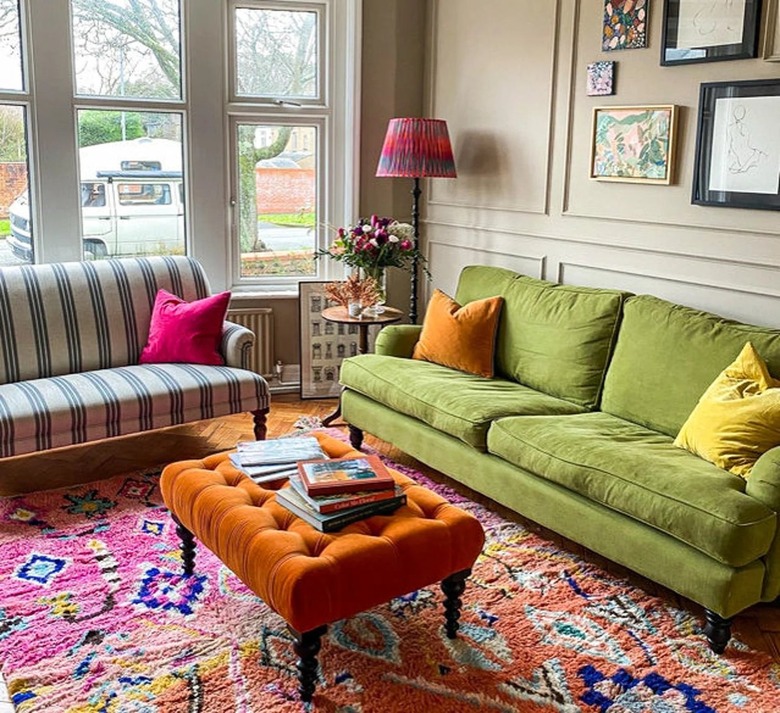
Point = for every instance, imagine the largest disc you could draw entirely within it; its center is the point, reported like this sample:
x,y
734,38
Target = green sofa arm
x,y
763,483
398,340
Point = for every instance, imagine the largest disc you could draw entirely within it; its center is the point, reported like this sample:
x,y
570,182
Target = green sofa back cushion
x,y
553,338
667,355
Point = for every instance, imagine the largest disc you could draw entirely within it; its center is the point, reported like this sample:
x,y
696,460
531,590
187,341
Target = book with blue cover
x,y
278,451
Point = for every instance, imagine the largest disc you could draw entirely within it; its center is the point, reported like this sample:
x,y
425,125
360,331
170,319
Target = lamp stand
x,y
416,192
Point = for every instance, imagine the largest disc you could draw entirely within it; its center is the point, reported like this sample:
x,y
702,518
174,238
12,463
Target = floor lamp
x,y
416,148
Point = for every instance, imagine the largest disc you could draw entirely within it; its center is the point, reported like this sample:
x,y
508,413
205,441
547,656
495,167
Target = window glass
x,y
277,199
143,194
10,47
276,53
15,214
127,48
130,164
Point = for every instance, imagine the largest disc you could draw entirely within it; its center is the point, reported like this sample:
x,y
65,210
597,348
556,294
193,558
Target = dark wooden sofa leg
x,y
259,417
355,437
307,646
717,630
187,546
453,587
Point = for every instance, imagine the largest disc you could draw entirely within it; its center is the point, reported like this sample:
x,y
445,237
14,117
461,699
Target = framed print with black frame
x,y
709,30
738,145
324,345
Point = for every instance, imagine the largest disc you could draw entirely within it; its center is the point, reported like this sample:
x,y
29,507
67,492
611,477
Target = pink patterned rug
x,y
95,616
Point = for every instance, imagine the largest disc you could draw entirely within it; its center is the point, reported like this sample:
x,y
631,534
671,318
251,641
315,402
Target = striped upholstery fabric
x,y
65,318
70,338
76,408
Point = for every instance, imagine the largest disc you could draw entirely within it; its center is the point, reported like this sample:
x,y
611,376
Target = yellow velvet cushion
x,y
738,417
462,338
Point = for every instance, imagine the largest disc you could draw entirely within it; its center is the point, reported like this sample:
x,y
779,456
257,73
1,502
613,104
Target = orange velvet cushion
x,y
462,338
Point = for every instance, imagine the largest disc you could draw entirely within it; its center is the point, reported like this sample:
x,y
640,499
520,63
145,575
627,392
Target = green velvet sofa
x,y
575,432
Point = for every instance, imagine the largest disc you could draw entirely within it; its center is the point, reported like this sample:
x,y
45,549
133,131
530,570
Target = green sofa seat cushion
x,y
639,473
667,355
462,405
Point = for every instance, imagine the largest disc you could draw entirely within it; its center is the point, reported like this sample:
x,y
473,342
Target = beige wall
x,y
509,77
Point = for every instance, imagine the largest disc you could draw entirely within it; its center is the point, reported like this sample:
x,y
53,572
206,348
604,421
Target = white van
x,y
132,201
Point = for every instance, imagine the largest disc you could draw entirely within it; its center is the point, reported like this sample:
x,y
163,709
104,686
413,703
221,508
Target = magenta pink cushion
x,y
188,332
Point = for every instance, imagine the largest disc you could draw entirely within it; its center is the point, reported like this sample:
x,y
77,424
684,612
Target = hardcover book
x,y
333,503
344,475
278,451
290,499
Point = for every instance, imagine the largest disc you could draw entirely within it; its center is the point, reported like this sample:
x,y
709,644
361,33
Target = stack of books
x,y
332,493
274,459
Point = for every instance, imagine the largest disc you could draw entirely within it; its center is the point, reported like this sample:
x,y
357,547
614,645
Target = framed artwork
x,y
738,145
633,144
601,79
772,33
709,30
324,345
625,25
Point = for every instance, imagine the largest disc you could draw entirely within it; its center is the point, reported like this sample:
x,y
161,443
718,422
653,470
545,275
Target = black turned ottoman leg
x,y
717,630
306,647
187,546
259,418
355,437
453,587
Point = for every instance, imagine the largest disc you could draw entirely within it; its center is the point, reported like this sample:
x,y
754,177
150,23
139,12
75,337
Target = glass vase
x,y
380,277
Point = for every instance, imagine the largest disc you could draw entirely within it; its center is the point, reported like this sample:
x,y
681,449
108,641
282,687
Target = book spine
x,y
348,518
346,486
377,497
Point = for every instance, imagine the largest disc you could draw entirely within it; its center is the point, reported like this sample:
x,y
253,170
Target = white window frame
x,y
336,117
51,103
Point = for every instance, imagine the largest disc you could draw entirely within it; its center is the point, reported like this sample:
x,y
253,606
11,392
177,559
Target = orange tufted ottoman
x,y
312,579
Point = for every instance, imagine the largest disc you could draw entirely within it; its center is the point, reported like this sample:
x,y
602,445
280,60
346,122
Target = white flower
x,y
374,242
367,228
393,239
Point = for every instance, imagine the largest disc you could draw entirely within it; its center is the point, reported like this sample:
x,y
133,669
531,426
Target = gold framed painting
x,y
633,144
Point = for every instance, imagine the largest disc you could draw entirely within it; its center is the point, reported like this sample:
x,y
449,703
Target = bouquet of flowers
x,y
375,244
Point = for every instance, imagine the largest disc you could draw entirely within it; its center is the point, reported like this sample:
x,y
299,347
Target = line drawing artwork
x,y
744,156
710,23
745,145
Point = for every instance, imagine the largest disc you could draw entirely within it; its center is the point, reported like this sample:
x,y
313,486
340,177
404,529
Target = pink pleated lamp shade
x,y
417,148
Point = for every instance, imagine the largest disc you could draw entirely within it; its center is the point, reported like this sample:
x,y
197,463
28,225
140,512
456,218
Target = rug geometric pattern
x,y
95,616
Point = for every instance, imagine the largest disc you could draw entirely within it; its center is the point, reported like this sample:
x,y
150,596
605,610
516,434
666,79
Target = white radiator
x,y
261,321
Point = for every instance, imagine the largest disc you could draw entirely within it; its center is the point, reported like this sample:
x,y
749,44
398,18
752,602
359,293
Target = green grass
x,y
302,219
5,229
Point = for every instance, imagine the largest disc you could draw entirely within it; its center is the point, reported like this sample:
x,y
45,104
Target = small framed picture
x,y
711,31
633,144
601,79
324,345
738,145
625,25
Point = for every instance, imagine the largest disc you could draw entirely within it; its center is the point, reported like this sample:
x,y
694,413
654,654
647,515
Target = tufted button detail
x,y
308,577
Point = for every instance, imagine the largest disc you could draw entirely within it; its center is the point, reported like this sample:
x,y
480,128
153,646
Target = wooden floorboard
x,y
758,627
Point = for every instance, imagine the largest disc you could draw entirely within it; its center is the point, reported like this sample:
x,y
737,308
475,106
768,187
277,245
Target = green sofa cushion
x,y
462,405
667,355
640,473
557,338
476,282
553,338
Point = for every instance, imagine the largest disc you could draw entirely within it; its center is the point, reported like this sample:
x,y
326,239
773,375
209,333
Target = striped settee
x,y
70,338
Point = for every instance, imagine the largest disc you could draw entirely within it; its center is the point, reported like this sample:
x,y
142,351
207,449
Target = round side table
x,y
339,315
